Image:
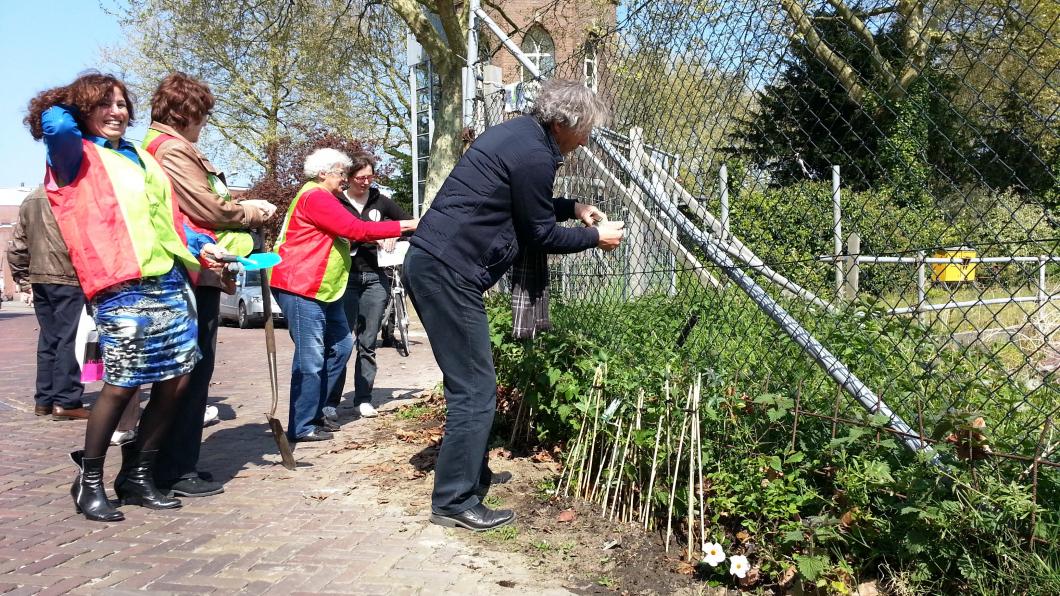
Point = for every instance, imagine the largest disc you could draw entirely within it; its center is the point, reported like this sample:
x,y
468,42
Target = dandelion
x,y
738,566
712,553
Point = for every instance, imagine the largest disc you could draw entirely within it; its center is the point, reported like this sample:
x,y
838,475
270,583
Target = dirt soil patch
x,y
559,537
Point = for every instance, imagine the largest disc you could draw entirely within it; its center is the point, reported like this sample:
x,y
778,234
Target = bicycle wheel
x,y
387,327
401,326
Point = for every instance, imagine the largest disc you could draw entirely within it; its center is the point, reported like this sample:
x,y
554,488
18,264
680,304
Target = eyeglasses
x,y
364,179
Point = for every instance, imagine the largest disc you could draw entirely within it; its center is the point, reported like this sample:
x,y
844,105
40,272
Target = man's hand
x,y
611,234
387,244
588,214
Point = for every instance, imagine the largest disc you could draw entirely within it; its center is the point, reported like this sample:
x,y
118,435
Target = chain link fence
x,y
852,205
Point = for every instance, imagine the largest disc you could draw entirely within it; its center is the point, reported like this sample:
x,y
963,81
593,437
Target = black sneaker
x,y
195,487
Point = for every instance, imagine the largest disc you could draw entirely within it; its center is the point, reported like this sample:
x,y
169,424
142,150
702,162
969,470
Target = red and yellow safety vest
x,y
315,264
118,219
237,242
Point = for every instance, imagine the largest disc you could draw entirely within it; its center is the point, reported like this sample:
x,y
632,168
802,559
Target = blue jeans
x,y
454,316
322,347
365,298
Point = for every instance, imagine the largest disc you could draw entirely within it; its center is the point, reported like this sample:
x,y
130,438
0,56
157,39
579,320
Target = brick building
x,y
550,33
10,199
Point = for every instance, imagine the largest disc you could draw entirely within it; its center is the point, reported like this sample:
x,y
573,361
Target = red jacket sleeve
x,y
325,212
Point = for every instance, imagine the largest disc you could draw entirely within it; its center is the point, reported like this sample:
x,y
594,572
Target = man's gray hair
x,y
326,160
569,103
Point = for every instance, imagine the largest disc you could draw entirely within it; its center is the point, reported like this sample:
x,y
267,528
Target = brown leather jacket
x,y
37,253
188,169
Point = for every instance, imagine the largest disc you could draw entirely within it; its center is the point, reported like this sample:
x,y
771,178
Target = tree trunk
x,y
446,145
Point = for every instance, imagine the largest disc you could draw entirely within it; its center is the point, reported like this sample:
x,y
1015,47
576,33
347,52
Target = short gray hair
x,y
326,160
569,103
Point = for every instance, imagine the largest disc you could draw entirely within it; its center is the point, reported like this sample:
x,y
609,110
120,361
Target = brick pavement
x,y
332,526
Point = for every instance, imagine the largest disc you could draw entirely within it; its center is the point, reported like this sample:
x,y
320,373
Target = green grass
x,y
505,534
414,411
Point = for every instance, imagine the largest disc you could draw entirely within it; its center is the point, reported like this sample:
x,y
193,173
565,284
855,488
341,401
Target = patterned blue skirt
x,y
148,329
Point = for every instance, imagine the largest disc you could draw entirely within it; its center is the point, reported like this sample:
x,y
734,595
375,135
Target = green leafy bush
x,y
830,501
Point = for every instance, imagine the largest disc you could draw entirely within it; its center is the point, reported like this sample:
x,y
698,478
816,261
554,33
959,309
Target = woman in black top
x,y
368,287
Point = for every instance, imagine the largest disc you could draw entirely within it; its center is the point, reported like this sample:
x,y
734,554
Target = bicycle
x,y
395,328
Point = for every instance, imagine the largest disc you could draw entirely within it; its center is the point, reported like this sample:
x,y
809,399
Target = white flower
x,y
738,566
712,553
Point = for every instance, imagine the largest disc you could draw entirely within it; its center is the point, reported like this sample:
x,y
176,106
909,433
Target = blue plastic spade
x,y
256,261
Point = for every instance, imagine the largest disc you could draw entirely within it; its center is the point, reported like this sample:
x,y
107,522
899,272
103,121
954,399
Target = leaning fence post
x,y
837,231
635,227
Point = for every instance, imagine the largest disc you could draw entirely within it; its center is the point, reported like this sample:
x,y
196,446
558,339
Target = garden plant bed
x,y
559,538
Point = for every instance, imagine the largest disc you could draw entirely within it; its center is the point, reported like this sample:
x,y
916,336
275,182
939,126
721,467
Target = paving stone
x,y
324,528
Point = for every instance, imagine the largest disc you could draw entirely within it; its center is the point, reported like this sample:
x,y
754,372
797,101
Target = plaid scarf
x,y
530,294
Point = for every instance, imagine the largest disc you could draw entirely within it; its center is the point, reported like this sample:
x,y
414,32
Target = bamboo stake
x,y
611,467
592,449
578,448
677,469
638,478
699,452
646,510
621,467
691,478
651,481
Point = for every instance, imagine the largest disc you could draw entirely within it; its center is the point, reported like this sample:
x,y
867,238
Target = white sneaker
x,y
367,411
211,416
331,413
120,437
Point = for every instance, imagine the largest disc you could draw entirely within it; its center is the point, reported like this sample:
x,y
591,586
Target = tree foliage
x,y
288,176
275,66
979,111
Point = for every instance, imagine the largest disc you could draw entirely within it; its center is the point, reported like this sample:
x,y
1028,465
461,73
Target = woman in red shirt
x,y
310,281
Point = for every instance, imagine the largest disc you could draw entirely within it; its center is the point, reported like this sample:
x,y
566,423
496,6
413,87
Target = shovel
x,y
270,346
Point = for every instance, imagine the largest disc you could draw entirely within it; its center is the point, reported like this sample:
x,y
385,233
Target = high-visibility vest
x,y
236,242
118,220
315,264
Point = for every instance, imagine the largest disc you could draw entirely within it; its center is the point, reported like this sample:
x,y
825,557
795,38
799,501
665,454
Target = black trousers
x,y
454,316
179,454
58,308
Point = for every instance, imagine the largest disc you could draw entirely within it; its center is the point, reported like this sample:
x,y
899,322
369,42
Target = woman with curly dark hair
x,y
132,254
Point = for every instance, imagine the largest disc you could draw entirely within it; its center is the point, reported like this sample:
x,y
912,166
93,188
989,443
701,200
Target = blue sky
x,y
44,43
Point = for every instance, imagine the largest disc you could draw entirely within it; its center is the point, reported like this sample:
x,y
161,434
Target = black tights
x,y
154,424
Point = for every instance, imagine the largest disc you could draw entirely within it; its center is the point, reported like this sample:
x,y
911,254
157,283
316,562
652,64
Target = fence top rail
x,y
940,260
973,303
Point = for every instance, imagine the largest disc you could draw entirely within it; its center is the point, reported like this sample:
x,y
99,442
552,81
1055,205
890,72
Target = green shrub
x,y
828,499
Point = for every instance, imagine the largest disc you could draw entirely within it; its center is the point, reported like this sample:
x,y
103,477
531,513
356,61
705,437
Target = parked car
x,y
245,307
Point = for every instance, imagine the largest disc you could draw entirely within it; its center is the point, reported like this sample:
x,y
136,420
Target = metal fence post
x,y
921,286
723,186
853,269
837,231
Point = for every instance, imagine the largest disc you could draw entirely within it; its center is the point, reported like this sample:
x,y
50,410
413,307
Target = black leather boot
x,y
135,484
90,498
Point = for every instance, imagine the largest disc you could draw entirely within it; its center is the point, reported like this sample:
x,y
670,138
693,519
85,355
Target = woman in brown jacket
x,y
179,110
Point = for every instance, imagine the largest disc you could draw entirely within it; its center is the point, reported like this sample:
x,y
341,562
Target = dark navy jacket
x,y
498,198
